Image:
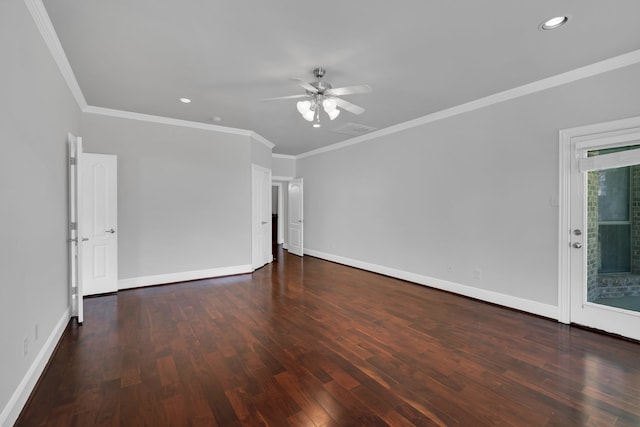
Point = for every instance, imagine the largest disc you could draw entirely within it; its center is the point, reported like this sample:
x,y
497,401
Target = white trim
x,y
612,160
160,279
594,131
164,120
280,187
282,178
19,398
591,70
284,156
526,305
261,139
608,133
258,252
176,122
43,22
564,229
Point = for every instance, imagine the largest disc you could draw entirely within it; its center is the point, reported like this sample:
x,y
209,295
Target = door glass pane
x,y
613,237
613,195
615,248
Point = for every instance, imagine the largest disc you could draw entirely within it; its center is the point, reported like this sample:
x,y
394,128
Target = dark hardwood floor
x,y
305,342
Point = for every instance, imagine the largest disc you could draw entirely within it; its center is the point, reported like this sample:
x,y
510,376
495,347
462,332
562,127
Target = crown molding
x,y
175,122
42,21
261,139
591,70
284,156
162,120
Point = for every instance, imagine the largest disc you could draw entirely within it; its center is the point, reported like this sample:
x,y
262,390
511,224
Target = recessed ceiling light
x,y
185,100
553,23
316,125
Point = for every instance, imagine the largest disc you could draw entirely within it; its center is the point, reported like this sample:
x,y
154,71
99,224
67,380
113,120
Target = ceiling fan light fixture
x,y
333,114
309,115
321,96
329,105
303,106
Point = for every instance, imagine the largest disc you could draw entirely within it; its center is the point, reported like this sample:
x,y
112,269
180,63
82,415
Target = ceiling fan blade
x,y
346,105
305,85
349,90
286,97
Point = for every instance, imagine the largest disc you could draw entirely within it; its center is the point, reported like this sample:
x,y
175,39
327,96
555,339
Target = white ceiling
x,y
419,56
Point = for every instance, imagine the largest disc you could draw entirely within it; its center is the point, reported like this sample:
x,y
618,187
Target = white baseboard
x,y
12,410
160,279
522,304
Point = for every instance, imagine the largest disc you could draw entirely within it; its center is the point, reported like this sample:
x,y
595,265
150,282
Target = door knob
x,y
110,231
85,239
577,245
264,222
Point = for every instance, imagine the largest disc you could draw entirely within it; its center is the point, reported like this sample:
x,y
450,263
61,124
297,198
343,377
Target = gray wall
x,y
284,166
260,154
472,191
36,112
184,195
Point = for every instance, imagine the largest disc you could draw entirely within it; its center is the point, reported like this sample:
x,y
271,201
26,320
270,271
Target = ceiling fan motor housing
x,y
321,86
319,72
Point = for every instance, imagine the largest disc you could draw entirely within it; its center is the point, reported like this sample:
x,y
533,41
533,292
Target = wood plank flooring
x,y
305,342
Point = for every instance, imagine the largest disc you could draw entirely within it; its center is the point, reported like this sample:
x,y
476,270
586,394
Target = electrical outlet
x,y
477,274
26,346
449,268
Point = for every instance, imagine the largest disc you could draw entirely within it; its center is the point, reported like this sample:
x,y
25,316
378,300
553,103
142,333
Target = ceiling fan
x,y
321,95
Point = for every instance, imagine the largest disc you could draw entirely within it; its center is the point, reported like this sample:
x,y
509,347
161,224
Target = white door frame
x,y
75,255
280,236
293,224
283,181
260,254
611,134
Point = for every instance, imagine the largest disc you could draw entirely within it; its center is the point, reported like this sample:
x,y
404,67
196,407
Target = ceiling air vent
x,y
353,129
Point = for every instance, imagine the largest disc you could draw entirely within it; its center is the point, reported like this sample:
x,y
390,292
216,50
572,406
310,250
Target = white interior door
x,y
99,224
75,256
296,218
604,233
280,212
261,216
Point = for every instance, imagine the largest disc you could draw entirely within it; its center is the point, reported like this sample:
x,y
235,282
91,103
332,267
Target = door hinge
x,y
72,161
73,226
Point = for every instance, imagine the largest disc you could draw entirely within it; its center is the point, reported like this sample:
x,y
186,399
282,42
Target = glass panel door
x,y
605,244
613,237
